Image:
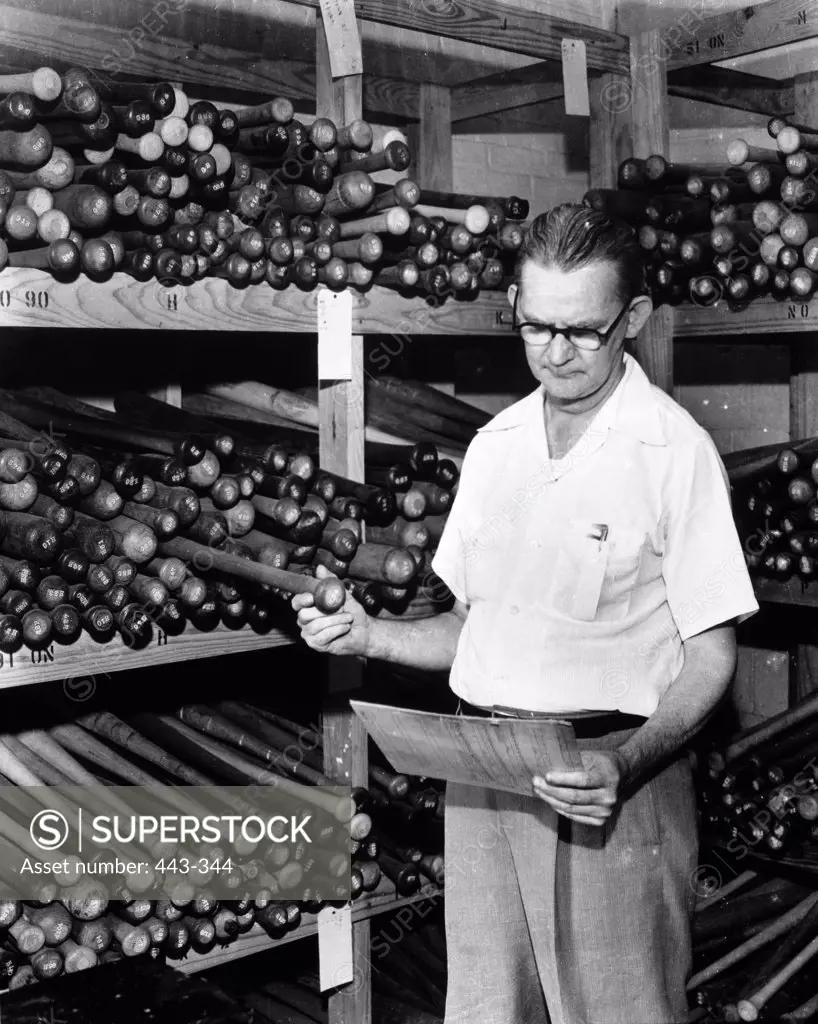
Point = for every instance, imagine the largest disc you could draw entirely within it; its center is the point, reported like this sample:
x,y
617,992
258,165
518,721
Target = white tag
x,y
575,77
343,38
334,335
335,966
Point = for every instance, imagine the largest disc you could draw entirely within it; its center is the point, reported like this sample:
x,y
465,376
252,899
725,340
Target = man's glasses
x,y
580,337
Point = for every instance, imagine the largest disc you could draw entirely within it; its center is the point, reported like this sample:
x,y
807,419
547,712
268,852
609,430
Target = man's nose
x,y
560,351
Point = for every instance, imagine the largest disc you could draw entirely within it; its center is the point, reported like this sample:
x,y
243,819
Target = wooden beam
x,y
804,364
609,137
29,39
341,450
507,90
693,39
734,89
650,134
497,24
432,138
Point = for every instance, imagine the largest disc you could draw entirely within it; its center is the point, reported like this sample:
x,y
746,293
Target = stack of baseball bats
x,y
392,829
754,947
759,792
755,938
775,508
409,973
116,522
735,229
99,176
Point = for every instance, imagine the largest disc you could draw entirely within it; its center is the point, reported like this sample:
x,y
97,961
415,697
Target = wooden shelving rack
x,y
232,48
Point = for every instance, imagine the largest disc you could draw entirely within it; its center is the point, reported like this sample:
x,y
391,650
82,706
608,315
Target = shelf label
x,y
575,77
334,335
343,37
31,298
335,963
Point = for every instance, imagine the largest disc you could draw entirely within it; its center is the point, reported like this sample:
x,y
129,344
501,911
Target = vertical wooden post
x,y
804,396
609,140
804,365
432,138
650,134
430,141
341,450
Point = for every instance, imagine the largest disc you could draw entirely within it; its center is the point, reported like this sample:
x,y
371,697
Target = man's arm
x,y
590,796
690,700
428,644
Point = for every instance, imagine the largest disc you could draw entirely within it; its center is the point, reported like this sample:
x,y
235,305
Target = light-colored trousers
x,y
551,922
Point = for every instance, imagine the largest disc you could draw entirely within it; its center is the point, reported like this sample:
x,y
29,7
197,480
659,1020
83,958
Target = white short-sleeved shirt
x,y
583,575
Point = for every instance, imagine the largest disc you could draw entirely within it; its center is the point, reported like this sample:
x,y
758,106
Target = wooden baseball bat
x,y
44,83
801,164
350,192
475,218
750,1008
740,152
394,157
791,140
403,193
286,404
278,111
394,221
366,248
26,150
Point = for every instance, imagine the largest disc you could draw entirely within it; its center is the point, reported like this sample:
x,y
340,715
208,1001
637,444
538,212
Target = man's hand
x,y
588,796
345,632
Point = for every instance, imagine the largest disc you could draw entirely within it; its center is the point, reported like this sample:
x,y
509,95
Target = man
x,y
597,574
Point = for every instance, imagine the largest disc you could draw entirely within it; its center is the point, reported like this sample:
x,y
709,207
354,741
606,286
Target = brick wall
x,y
533,165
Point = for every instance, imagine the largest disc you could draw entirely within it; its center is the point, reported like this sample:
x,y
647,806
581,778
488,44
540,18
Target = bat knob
x,y
330,595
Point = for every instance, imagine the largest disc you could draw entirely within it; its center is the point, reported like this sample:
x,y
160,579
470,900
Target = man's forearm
x,y
688,703
428,644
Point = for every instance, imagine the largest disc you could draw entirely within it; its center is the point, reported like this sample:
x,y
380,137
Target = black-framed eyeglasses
x,y
580,337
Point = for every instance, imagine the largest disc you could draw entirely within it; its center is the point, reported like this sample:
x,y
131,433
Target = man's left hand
x,y
588,796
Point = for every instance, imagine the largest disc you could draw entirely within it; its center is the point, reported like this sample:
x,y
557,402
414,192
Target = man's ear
x,y
641,308
512,294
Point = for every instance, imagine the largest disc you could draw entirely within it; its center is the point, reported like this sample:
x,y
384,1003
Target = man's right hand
x,y
345,632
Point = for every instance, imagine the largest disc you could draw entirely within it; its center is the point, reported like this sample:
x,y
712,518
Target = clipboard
x,y
495,753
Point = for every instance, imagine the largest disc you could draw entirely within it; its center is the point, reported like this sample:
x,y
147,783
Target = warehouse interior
x,y
254,299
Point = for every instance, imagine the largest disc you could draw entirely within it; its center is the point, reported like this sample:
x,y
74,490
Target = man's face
x,y
563,299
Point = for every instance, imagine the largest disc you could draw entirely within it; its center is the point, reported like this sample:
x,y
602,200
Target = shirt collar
x,y
632,409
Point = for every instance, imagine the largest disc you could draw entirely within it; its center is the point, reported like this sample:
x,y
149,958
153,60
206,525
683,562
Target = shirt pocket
x,y
623,573
595,570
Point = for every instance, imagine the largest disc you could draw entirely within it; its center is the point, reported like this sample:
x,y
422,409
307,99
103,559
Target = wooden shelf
x,y
762,316
33,298
258,941
790,592
81,664
737,33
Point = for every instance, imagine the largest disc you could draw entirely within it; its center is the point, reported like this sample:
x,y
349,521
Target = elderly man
x,y
598,576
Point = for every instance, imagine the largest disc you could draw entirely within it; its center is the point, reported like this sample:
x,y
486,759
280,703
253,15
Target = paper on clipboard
x,y
498,753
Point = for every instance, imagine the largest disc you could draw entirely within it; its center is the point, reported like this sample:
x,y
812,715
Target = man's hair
x,y
571,237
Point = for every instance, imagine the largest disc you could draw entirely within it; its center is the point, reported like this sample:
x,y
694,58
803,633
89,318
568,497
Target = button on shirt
x,y
584,575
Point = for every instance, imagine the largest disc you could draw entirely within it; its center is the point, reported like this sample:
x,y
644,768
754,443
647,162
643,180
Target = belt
x,y
589,726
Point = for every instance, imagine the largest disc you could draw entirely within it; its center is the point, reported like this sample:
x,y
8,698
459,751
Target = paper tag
x,y
343,38
335,965
334,335
575,77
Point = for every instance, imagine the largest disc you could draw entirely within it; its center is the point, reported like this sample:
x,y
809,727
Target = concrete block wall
x,y
534,165
739,415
